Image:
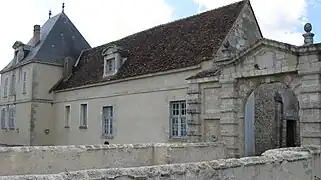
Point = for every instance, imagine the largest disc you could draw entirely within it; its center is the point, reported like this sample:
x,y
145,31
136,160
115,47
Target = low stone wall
x,y
56,159
287,164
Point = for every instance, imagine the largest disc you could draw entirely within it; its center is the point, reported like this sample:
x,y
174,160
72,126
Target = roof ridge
x,y
173,22
160,48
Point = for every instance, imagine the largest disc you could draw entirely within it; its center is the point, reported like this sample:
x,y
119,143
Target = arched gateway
x,y
271,116
266,96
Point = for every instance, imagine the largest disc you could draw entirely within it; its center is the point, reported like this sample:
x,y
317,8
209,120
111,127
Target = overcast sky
x,y
101,21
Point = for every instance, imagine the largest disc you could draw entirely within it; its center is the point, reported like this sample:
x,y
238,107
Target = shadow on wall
x,y
271,119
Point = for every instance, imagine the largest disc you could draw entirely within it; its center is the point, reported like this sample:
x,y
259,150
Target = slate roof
x,y
179,44
58,38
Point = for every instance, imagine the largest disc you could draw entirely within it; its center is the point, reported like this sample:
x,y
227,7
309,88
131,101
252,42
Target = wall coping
x,y
81,148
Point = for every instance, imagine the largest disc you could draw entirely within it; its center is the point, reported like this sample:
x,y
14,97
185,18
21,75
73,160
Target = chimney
x,y
36,34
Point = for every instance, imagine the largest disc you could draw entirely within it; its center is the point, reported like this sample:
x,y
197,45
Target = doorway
x,y
270,119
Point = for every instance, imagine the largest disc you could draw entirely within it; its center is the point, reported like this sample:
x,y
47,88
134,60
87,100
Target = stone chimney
x,y
308,36
36,34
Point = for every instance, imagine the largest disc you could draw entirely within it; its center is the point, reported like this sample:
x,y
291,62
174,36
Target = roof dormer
x,y
20,51
114,57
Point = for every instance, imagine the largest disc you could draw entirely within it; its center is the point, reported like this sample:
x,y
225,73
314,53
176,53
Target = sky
x,y
102,21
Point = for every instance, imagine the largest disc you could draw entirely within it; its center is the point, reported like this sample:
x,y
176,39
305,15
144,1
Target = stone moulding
x,y
194,101
192,91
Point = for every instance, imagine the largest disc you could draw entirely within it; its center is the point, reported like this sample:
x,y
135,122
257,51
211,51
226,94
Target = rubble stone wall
x,y
56,159
301,163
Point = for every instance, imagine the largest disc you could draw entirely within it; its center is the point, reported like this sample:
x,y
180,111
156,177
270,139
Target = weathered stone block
x,y
229,129
311,129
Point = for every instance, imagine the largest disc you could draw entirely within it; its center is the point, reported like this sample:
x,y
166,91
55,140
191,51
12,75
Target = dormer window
x,y
114,57
110,65
20,51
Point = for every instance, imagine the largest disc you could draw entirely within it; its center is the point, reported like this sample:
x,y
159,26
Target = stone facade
x,y
284,78
41,117
266,68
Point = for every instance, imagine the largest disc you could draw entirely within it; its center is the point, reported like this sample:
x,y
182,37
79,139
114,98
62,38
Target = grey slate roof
x,y
58,38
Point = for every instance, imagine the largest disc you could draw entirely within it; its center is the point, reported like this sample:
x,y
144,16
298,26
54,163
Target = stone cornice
x,y
259,43
292,49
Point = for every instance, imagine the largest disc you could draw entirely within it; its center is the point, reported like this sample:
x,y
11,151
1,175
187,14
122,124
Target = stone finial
x,y
226,49
308,36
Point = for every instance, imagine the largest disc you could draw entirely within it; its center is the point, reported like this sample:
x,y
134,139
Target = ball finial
x,y
307,27
226,44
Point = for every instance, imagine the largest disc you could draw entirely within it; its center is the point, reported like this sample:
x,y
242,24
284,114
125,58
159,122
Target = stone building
x,y
207,77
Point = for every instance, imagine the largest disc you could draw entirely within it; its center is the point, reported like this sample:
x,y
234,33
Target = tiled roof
x,y
179,44
206,73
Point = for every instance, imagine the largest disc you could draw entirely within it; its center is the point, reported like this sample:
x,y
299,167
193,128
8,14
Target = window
x,y
67,116
24,82
5,88
178,118
12,113
83,115
3,117
110,65
13,84
107,124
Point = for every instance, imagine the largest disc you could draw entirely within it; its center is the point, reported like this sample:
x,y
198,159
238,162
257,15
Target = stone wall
x,y
301,163
265,123
55,159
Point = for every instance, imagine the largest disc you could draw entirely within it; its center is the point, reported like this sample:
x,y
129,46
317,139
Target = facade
x,y
207,77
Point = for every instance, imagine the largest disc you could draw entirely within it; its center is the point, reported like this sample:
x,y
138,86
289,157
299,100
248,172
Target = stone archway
x,y
271,119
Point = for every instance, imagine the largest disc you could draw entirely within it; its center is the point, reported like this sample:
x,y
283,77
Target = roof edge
x,y
232,27
268,42
126,79
257,23
164,24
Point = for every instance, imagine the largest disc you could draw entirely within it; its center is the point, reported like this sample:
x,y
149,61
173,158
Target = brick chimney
x,y
36,34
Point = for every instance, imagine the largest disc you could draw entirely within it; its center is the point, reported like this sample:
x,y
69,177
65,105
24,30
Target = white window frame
x,y
5,88
108,121
110,63
67,116
83,125
13,84
12,114
3,117
24,83
180,117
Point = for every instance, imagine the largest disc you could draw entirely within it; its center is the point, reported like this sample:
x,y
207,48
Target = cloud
x,y
99,21
280,20
104,21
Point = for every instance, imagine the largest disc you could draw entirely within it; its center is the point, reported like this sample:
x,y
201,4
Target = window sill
x,y
11,129
83,127
178,139
106,136
109,73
